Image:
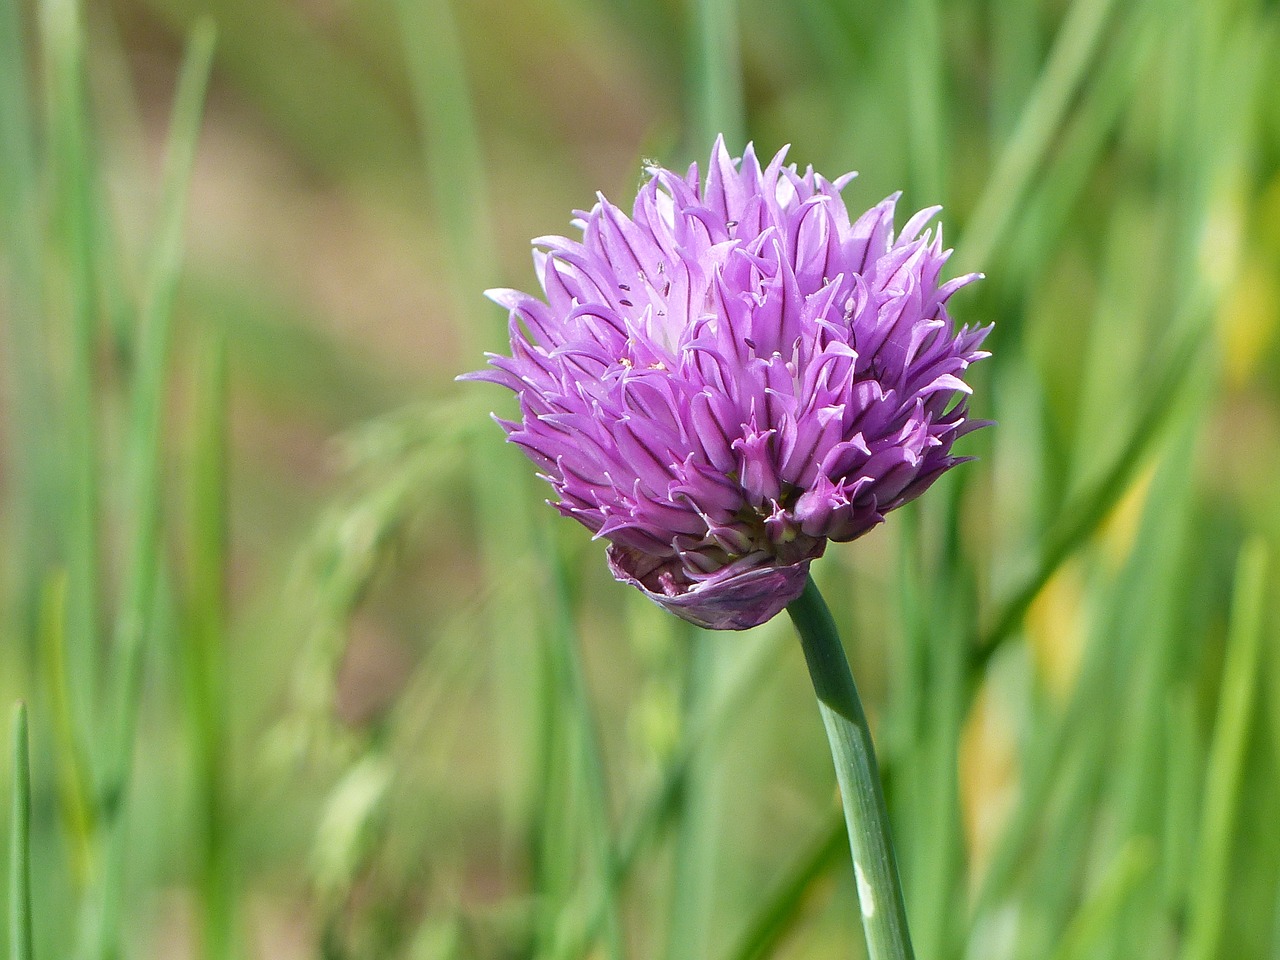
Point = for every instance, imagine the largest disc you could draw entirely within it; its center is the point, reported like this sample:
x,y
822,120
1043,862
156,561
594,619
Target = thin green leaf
x,y
32,461
134,623
75,777
1084,514
749,673
1222,789
71,303
697,811
716,92
1095,920
208,706
927,137
20,939
571,683
453,161
1073,51
453,157
780,910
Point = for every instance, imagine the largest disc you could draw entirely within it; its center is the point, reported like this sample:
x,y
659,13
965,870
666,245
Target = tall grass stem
x,y
1068,64
205,659
716,102
70,282
20,937
75,777
1209,893
781,907
134,621
586,754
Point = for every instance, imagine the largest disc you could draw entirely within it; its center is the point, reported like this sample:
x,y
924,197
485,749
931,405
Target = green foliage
x,y
312,672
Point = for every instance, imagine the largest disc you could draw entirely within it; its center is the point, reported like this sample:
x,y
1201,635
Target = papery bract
x,y
733,375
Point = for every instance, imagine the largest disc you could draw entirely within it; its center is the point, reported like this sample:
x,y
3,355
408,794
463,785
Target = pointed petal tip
x,y
844,180
500,295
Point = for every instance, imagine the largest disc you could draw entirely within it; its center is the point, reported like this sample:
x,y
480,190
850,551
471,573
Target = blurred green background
x,y
311,670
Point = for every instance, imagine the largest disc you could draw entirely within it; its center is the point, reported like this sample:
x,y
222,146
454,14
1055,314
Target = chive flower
x,y
734,375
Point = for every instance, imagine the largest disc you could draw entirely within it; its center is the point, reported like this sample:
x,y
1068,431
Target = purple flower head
x,y
734,375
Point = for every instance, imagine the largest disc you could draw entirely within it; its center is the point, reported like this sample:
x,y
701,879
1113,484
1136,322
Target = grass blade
x,y
1085,513
451,143
455,174
20,187
31,458
750,671
1094,920
70,279
697,810
938,843
146,413
926,132
207,702
780,910
715,98
1052,200
1227,755
134,623
75,778
20,947
571,682
1073,51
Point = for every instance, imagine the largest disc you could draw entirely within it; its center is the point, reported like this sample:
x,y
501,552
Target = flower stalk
x,y
875,867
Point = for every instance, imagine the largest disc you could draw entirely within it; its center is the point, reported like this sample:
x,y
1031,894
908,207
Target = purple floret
x,y
734,375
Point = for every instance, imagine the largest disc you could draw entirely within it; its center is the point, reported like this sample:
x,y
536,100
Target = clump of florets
x,y
734,375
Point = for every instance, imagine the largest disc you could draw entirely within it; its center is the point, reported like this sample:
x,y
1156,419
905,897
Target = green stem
x,y
884,918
